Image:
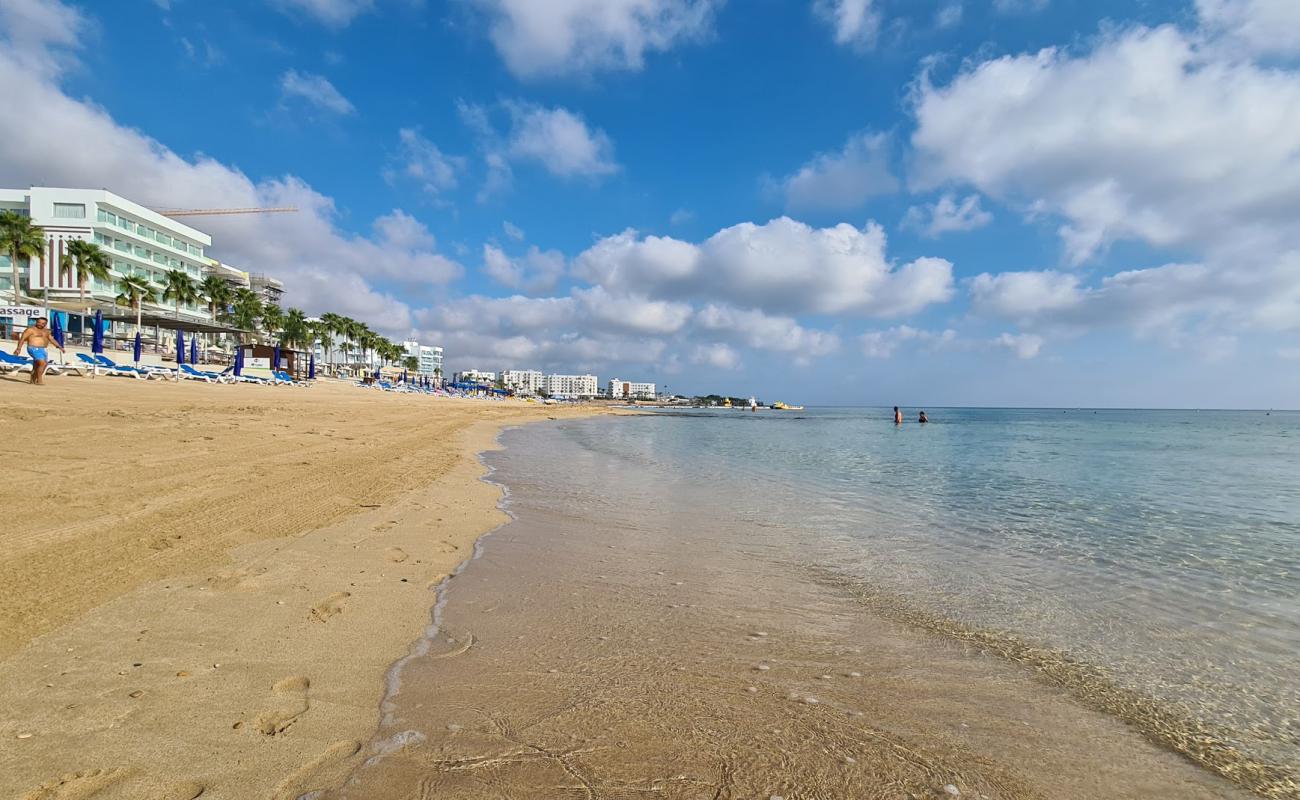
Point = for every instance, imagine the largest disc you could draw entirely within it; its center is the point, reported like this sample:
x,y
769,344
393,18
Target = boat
x,y
779,406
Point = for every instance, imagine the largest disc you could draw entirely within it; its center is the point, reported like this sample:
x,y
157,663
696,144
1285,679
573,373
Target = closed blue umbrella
x,y
311,368
194,349
97,339
239,361
56,328
275,361
180,347
139,348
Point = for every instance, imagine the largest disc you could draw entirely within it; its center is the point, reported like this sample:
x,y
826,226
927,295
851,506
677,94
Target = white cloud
x,y
332,13
559,37
40,34
717,355
64,141
537,271
560,141
843,180
421,161
632,314
949,15
316,91
760,331
783,266
512,230
883,344
1019,6
1141,138
1024,345
1260,27
681,216
1024,295
855,22
947,214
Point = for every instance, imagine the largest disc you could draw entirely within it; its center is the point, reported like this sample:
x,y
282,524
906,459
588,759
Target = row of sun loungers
x,y
102,363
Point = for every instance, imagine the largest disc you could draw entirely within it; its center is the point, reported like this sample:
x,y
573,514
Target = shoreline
x,y
258,671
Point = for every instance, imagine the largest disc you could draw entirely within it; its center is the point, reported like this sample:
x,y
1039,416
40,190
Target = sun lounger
x,y
229,374
145,370
111,368
186,371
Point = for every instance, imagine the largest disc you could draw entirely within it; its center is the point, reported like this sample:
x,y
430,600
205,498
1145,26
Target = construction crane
x,y
215,212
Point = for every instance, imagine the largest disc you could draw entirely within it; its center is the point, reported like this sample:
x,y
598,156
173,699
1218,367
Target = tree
x,y
247,309
412,363
19,238
179,288
295,329
272,318
135,291
89,261
320,332
217,291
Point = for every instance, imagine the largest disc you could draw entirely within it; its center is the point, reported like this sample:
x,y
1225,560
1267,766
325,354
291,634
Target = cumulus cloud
x,y
512,230
1259,27
421,161
557,139
1019,6
843,180
331,13
1024,345
755,329
717,355
65,141
949,15
631,313
783,266
40,35
947,215
581,36
536,271
883,344
315,91
855,23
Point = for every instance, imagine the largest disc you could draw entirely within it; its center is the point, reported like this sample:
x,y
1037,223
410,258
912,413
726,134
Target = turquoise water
x,y
1162,547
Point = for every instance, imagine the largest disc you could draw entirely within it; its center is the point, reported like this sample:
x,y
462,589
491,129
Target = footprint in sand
x,y
330,606
112,784
291,694
384,527
397,555
317,771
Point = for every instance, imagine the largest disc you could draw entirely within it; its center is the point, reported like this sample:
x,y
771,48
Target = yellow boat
x,y
779,406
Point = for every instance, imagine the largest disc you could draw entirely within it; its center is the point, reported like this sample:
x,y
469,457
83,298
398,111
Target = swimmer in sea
x,y
898,416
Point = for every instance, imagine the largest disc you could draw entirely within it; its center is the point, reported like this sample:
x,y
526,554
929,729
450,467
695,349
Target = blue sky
x,y
1009,202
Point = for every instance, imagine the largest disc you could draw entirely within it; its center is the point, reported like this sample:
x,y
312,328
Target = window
x,y
101,238
125,224
122,246
159,258
194,251
69,210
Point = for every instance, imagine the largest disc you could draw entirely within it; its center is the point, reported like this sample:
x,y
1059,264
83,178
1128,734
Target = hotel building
x,y
522,381
629,390
137,240
571,386
430,358
476,376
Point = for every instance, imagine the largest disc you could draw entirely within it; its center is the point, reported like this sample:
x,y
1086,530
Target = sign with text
x,y
257,363
26,312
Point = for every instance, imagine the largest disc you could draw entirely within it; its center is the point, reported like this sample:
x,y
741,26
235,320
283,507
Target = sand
x,y
207,591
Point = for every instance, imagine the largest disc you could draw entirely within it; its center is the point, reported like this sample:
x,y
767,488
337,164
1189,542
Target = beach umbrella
x,y
139,347
239,361
97,340
194,349
311,367
180,347
275,359
56,328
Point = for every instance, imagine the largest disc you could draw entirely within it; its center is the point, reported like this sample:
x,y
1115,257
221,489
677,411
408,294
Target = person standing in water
x,y
923,418
898,416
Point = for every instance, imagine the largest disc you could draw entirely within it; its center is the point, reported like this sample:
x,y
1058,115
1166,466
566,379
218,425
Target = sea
x,y
1088,575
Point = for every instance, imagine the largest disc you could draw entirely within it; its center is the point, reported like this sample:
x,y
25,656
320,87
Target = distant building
x,y
630,390
476,376
522,381
235,277
571,386
430,358
268,289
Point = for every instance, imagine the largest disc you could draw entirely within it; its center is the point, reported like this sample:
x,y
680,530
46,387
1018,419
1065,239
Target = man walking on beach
x,y
38,339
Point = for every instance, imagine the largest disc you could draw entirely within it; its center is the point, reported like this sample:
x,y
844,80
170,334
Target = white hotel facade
x,y
137,240
630,390
430,358
567,387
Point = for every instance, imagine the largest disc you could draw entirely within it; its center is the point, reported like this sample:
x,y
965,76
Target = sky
x,y
956,202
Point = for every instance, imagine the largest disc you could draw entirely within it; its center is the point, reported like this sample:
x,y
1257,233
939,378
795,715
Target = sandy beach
x,y
203,586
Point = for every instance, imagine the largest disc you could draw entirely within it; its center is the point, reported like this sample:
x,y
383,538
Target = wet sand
x,y
208,593
624,638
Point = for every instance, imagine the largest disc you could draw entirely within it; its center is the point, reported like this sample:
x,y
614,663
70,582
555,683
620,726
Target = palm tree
x,y
179,288
215,288
295,329
331,323
320,332
411,363
247,309
272,318
20,239
135,291
90,262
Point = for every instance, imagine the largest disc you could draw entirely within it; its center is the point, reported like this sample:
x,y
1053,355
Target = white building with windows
x,y
430,358
137,240
571,386
522,381
476,376
630,390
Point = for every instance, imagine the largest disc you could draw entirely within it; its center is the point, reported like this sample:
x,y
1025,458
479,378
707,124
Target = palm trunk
x,y
13,261
139,313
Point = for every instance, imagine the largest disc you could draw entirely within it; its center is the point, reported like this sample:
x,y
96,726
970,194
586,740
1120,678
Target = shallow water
x,y
1141,563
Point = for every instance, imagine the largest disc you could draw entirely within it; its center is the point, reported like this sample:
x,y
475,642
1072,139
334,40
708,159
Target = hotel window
x,y
194,251
159,258
101,238
125,224
69,210
122,245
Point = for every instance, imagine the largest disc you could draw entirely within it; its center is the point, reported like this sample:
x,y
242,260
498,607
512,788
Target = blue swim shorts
x,y
38,354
